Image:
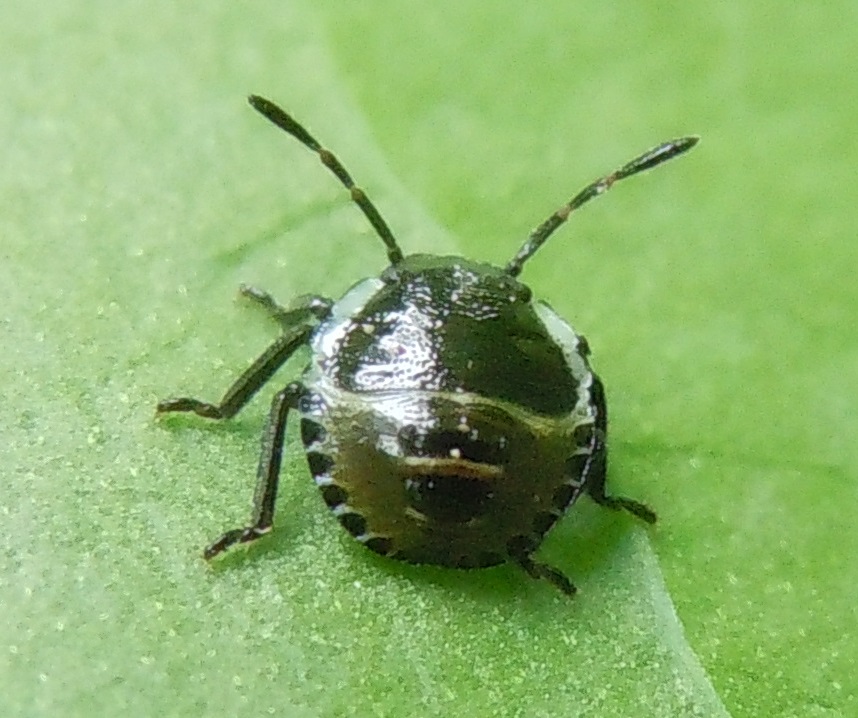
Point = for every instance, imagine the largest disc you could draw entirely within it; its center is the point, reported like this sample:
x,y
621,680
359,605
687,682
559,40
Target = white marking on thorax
x,y
332,331
569,343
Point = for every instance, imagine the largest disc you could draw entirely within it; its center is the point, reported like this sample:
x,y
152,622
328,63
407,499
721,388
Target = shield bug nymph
x,y
447,417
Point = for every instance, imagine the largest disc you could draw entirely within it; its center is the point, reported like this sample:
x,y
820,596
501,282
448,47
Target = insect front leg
x,y
301,310
267,475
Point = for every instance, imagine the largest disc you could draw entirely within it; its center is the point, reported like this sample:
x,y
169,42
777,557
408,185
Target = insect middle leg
x,y
297,323
250,381
597,468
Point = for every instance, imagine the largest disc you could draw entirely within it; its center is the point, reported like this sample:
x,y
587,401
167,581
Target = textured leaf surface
x,y
718,295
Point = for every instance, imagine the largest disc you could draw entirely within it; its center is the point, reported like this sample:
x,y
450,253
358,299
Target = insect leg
x,y
250,381
520,551
267,474
597,468
303,309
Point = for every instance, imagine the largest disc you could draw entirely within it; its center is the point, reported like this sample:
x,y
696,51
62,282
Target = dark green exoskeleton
x,y
447,417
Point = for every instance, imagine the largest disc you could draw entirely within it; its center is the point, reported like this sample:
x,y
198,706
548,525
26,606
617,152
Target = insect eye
x,y
448,499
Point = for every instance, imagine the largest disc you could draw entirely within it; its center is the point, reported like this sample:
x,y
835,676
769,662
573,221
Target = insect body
x,y
447,417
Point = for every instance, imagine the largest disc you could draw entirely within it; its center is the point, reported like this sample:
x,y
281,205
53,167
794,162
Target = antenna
x,y
651,158
285,122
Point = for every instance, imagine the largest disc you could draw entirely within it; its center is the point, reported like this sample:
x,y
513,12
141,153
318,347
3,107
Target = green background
x,y
718,294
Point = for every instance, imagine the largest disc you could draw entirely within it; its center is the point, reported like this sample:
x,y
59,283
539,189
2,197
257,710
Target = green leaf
x,y
139,190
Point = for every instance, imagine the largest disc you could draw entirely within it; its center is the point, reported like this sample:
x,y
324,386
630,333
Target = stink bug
x,y
447,417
